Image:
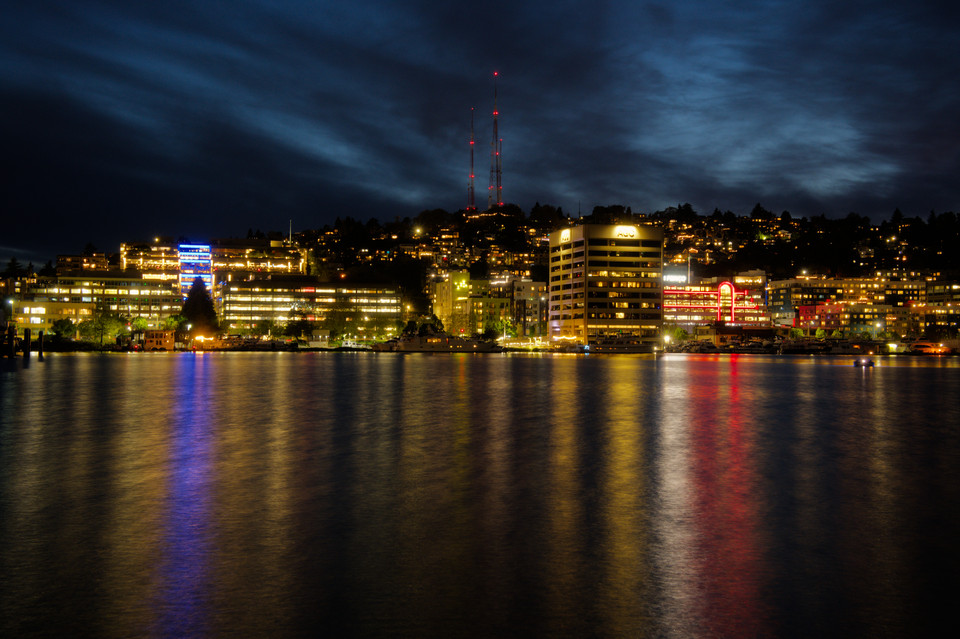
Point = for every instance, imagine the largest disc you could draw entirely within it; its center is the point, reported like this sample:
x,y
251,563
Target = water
x,y
362,494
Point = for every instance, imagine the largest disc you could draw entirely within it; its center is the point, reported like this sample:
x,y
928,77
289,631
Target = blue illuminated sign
x,y
195,261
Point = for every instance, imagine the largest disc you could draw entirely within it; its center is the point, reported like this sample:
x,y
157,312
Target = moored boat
x,y
622,344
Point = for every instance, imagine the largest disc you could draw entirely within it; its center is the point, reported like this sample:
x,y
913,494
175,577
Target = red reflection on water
x,y
726,505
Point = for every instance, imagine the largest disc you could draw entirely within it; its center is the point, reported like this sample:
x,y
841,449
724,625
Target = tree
x,y
341,314
480,269
264,327
174,322
14,268
821,334
198,309
499,328
435,322
299,325
796,333
378,327
103,326
545,217
63,328
760,213
676,333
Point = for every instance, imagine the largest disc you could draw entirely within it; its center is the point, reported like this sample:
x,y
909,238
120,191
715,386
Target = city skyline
x,y
127,122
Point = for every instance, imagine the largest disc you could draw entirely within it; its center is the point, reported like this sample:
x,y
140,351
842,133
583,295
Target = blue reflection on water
x,y
183,593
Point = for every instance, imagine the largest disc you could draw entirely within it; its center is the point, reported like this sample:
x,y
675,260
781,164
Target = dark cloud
x,y
204,119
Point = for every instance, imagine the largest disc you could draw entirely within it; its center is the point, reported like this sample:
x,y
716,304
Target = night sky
x,y
124,120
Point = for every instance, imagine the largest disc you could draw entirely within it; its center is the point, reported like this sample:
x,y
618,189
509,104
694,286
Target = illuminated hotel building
x,y
700,305
605,281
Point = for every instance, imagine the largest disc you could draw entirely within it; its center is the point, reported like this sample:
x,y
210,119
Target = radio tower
x,y
471,205
495,193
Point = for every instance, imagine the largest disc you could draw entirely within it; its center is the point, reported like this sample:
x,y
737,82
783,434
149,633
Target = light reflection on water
x,y
263,494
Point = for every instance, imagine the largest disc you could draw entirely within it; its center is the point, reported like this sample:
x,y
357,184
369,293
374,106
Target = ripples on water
x,y
256,494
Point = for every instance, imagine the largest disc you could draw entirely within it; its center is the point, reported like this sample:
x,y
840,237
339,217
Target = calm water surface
x,y
362,494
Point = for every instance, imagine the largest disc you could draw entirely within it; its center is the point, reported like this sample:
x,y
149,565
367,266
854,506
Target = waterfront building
x,y
466,306
825,317
849,304
158,340
708,304
939,293
489,312
360,310
450,297
882,290
785,297
940,314
937,320
605,281
904,293
852,317
40,315
77,297
529,305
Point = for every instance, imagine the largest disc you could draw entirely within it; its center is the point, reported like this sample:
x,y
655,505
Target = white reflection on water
x,y
674,515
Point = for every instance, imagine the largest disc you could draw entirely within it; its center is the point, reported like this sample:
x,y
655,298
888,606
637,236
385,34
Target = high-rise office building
x,y
606,282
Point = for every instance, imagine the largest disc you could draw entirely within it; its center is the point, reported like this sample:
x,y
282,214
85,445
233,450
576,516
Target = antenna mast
x,y
496,189
471,205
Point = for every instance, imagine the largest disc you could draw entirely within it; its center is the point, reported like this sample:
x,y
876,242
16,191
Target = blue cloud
x,y
218,116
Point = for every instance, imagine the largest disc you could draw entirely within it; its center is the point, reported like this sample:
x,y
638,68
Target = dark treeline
x,y
721,242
